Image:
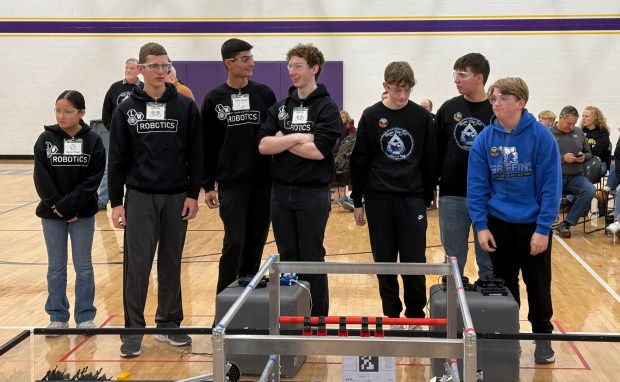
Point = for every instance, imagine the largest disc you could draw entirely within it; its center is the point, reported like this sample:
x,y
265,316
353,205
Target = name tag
x,y
155,110
73,147
240,102
300,115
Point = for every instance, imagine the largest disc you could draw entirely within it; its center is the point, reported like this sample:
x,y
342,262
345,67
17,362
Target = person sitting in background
x,y
348,128
614,175
594,126
546,117
575,151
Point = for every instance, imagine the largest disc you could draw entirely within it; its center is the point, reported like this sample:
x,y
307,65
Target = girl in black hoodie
x,y
69,164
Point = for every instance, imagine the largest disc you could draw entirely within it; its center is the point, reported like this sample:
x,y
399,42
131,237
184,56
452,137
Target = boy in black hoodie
x,y
393,168
156,153
301,132
231,116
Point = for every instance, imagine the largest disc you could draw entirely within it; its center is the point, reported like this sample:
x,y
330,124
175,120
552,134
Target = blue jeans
x,y
584,191
56,233
612,179
454,225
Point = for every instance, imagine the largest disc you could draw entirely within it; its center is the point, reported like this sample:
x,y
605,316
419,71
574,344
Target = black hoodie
x,y
599,143
159,155
68,181
323,121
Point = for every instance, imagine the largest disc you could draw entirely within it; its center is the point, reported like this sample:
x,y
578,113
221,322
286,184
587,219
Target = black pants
x,y
397,227
245,214
153,221
299,217
512,255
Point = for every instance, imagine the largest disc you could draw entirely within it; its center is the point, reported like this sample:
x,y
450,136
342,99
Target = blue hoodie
x,y
515,176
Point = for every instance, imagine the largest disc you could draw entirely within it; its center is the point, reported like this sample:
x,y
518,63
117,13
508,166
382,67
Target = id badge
x,y
300,115
73,147
240,102
155,110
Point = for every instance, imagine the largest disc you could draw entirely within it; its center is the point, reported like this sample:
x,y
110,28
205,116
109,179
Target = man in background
x,y
117,93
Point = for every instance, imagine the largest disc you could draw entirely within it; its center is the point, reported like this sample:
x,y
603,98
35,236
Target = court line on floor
x,y
587,267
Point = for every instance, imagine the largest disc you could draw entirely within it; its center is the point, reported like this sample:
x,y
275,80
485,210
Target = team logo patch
x,y
457,116
383,123
494,151
123,96
222,111
50,149
466,131
282,114
134,116
397,143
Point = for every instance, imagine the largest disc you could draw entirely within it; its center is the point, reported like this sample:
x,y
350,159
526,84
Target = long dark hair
x,y
75,98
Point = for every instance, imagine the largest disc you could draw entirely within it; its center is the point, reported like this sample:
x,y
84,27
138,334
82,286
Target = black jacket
x,y
159,155
117,93
231,152
598,139
323,121
68,181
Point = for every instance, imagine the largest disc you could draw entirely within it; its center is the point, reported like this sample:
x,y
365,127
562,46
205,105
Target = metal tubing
x,y
264,377
362,268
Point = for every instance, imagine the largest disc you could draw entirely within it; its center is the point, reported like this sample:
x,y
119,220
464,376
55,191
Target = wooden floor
x,y
585,291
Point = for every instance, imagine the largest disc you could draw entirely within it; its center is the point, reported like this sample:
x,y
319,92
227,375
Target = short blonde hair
x,y
547,114
514,86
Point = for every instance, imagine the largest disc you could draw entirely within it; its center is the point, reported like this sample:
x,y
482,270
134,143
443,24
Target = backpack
x,y
344,154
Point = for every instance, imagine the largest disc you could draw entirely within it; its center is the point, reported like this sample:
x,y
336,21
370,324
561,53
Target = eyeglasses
x,y
65,111
400,90
499,97
155,67
463,76
297,67
244,59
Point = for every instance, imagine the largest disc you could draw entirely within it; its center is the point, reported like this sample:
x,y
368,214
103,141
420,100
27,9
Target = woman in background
x,y
69,164
594,126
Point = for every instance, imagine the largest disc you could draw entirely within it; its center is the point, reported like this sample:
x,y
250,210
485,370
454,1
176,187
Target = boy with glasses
x,y
231,116
393,169
156,153
458,122
301,132
514,185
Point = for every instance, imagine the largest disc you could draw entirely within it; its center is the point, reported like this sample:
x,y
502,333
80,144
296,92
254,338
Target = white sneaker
x,y
415,327
57,325
613,229
397,327
86,325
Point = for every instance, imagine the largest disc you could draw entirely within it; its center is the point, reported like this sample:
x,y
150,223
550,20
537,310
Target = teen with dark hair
x,y
459,121
231,116
68,167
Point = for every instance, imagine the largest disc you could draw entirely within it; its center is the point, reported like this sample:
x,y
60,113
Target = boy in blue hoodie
x,y
514,185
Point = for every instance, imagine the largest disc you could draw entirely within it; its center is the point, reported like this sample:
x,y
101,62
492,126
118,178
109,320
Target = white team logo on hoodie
x,y
282,114
134,116
222,111
50,149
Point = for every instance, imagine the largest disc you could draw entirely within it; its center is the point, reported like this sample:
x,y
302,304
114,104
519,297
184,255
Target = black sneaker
x,y
544,354
174,339
131,347
563,230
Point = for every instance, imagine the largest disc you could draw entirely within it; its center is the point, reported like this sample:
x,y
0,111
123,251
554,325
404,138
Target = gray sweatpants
x,y
152,220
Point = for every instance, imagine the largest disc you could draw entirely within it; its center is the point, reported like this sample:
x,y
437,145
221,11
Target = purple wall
x,y
202,76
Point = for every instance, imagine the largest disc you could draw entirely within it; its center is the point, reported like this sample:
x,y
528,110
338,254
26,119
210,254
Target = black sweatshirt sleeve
x,y
194,152
43,180
359,162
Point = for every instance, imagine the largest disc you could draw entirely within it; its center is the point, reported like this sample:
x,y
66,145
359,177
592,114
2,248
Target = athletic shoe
x,y
57,325
415,327
544,354
563,229
174,339
348,205
341,200
87,325
131,347
397,327
613,229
